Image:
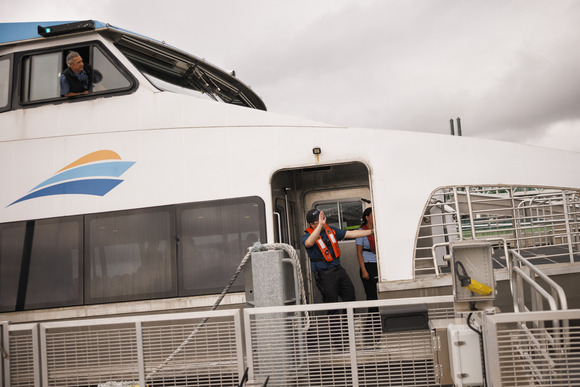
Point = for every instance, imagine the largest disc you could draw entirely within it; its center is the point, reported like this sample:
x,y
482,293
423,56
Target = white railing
x,y
543,355
303,345
521,270
542,224
298,345
122,351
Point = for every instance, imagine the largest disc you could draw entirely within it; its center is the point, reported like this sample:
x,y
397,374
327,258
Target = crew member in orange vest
x,y
321,242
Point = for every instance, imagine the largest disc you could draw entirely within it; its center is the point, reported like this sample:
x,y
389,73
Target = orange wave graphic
x,y
92,157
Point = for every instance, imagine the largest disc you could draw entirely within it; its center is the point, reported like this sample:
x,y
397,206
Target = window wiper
x,y
196,78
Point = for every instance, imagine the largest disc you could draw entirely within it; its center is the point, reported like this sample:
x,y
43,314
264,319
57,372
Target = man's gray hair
x,y
71,55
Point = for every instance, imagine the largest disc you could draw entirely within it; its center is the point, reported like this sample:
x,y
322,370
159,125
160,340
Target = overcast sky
x,y
509,69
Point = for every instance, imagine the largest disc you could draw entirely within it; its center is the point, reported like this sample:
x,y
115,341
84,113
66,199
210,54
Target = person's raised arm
x,y
351,234
311,240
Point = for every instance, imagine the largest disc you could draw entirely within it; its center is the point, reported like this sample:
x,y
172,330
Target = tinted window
x,y
40,264
214,237
130,256
127,255
11,246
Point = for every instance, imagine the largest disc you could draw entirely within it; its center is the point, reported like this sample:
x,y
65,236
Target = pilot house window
x,y
41,74
4,82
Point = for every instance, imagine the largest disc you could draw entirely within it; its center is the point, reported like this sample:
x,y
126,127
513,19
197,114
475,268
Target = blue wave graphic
x,y
97,187
111,169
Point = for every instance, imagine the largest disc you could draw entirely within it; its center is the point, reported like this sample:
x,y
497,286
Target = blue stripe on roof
x,y
14,32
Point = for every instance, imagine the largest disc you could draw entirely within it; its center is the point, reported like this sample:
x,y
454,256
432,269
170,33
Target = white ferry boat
x,y
125,211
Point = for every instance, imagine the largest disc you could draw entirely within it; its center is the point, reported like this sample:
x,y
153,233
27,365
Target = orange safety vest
x,y
322,246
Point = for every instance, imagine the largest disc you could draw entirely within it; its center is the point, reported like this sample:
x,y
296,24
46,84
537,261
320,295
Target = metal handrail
x,y
557,296
446,244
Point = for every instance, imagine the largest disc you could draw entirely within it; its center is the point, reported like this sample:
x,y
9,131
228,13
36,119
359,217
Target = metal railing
x,y
542,224
298,345
521,270
543,355
121,351
344,349
303,345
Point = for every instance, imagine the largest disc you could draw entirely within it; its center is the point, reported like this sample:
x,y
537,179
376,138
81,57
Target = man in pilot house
x,y
321,242
76,80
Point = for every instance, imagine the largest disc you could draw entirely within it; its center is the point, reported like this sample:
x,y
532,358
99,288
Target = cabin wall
x,y
187,149
178,165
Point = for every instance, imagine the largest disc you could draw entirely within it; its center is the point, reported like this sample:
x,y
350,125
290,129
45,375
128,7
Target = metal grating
x,y
23,356
209,359
542,224
298,345
393,359
90,355
123,351
538,351
340,349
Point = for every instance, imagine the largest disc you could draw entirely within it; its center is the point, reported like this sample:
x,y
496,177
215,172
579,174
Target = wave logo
x,y
94,174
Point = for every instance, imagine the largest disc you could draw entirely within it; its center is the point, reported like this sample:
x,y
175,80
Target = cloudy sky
x,y
509,69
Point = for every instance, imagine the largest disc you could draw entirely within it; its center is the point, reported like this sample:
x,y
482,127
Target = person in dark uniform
x,y
321,242
77,78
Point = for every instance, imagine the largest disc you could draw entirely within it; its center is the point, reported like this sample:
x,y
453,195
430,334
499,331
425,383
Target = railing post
x,y
492,364
140,355
515,213
352,346
468,196
458,212
567,222
4,355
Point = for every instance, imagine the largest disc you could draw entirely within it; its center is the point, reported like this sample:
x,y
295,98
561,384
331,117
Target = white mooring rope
x,y
256,248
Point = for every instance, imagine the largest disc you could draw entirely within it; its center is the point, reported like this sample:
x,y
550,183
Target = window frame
x,y
10,58
174,234
19,58
30,269
339,207
181,208
89,299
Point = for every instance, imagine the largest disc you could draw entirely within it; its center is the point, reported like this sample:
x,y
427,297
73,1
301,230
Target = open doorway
x,y
343,191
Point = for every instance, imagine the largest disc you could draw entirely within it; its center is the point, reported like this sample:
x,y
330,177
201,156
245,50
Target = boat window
x,y
345,214
181,70
41,74
112,77
41,264
166,86
4,83
214,237
129,256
